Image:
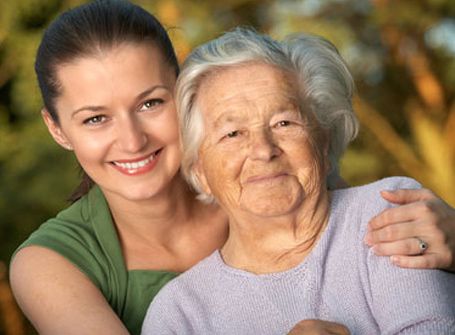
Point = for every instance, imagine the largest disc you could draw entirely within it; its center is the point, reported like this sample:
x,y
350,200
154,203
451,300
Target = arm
x,y
59,299
420,214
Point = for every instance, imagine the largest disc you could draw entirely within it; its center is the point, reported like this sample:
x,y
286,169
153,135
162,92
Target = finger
x,y
406,196
406,247
426,210
338,329
426,261
395,232
335,328
393,215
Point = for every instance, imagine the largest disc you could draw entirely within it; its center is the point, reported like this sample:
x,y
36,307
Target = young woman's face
x,y
116,111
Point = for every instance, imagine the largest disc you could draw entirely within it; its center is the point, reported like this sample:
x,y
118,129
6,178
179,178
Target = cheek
x,y
90,148
161,130
309,168
222,170
301,148
167,127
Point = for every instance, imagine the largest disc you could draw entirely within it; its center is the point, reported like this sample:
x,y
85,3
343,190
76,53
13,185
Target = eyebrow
x,y
140,96
230,116
225,117
88,108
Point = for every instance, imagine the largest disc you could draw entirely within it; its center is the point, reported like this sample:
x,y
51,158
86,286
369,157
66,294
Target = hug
x,y
240,165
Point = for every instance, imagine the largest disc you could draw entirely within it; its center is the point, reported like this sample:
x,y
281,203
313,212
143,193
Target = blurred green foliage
x,y
401,54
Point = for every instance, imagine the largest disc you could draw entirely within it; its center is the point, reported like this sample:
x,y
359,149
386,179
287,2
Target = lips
x,y
137,166
265,177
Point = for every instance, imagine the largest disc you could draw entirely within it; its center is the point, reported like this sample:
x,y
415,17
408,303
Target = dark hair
x,y
86,30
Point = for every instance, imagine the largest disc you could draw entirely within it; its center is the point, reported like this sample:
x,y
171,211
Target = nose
x,y
263,146
130,135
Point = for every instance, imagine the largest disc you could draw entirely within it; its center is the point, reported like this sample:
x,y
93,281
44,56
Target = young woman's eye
x,y
149,104
95,120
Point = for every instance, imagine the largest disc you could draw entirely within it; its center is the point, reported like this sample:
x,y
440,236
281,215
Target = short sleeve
x,y
74,242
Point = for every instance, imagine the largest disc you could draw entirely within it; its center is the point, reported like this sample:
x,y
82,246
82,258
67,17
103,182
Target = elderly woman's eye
x,y
233,133
283,123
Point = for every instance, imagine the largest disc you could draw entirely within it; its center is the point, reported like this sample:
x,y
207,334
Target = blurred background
x,y
401,53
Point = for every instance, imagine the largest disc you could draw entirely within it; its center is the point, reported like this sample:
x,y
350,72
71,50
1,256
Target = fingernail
x,y
394,259
367,240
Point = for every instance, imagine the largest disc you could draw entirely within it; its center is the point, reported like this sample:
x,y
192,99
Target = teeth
x,y
135,165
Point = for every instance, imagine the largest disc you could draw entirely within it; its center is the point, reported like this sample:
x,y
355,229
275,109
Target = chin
x,y
138,196
273,202
273,206
135,193
269,212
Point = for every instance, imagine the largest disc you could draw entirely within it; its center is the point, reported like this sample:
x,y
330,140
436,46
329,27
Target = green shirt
x,y
85,234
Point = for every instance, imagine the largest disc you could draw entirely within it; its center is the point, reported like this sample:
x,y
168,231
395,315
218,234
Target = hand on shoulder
x,y
420,217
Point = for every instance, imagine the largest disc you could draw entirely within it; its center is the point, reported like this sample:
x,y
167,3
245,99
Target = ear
x,y
198,172
55,130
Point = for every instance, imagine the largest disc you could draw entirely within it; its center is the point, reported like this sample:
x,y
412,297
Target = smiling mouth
x,y
137,166
262,178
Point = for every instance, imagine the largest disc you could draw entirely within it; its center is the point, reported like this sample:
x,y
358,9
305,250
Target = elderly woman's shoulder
x,y
367,198
386,184
354,207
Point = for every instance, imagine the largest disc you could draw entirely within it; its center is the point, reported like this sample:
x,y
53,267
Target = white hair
x,y
326,87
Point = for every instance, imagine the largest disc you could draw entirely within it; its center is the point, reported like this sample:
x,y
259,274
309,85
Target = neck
x,y
272,244
156,234
156,217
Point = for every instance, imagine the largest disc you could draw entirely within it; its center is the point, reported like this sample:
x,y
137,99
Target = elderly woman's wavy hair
x,y
325,83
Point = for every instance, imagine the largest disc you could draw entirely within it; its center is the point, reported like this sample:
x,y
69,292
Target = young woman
x,y
107,71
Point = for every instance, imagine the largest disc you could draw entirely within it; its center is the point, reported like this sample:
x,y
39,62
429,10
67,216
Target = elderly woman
x,y
262,124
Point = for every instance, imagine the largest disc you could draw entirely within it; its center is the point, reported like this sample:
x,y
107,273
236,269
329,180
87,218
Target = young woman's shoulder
x,y
84,236
64,269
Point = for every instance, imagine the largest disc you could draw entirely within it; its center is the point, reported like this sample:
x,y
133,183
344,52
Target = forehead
x,y
117,72
250,84
132,53
115,68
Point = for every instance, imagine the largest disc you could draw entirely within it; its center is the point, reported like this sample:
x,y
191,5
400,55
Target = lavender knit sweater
x,y
341,281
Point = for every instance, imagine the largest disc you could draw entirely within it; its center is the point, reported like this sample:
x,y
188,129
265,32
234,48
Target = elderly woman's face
x,y
256,155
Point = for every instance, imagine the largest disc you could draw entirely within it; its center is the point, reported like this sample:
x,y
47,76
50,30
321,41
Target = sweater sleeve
x,y
410,301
